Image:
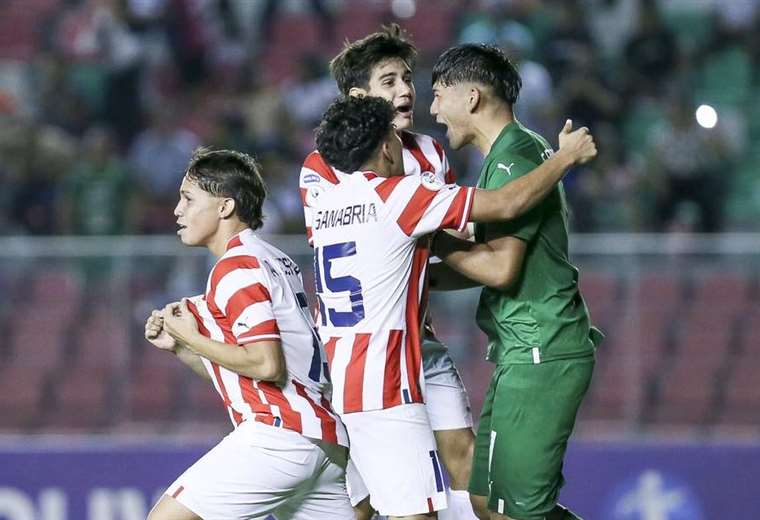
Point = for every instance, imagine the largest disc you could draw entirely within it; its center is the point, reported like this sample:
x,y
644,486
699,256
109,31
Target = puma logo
x,y
503,167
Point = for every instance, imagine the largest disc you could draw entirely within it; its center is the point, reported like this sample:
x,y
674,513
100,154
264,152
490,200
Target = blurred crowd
x,y
102,101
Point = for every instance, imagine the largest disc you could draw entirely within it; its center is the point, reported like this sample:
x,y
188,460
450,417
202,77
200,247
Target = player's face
x,y
449,108
198,214
391,79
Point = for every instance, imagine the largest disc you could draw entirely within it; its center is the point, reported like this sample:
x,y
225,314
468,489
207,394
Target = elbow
x,y
272,369
501,281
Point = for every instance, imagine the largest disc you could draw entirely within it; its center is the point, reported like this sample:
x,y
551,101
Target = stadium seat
x,y
201,401
687,392
102,341
82,400
741,401
152,393
601,293
21,391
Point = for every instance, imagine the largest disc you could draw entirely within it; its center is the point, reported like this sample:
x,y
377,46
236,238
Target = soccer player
x,y
531,309
370,276
381,65
252,335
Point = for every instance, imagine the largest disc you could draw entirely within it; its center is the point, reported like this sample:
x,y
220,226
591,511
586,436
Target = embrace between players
x,y
379,201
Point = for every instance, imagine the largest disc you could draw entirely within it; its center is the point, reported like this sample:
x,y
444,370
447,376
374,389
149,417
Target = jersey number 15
x,y
323,257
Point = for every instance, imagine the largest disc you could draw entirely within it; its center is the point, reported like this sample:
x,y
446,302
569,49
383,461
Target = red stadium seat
x,y
21,391
741,402
82,400
687,393
152,393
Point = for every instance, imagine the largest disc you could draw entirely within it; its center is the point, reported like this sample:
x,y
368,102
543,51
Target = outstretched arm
x,y
517,197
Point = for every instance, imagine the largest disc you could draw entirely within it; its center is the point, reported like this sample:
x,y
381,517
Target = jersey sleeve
x,y
316,176
421,204
501,171
240,290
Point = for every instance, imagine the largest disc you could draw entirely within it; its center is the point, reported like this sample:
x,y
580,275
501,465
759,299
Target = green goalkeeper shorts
x,y
528,415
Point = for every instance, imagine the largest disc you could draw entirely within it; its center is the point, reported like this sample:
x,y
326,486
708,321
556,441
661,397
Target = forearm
x,y
192,360
517,197
444,278
477,262
262,361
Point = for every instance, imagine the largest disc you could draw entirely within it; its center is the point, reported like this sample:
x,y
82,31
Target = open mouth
x,y
404,109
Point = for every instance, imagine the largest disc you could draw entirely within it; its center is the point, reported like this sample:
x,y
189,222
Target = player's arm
x,y
261,360
517,197
442,277
158,337
495,263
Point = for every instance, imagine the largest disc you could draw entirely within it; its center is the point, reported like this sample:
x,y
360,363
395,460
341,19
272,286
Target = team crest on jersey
x,y
310,178
313,194
431,182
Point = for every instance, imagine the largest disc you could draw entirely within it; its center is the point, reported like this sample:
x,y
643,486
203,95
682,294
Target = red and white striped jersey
x,y
370,263
255,293
421,154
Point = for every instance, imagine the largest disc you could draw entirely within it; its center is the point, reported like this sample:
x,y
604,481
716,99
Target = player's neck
x,y
227,229
488,127
381,167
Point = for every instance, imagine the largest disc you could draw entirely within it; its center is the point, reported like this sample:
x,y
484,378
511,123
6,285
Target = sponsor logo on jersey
x,y
502,166
431,182
313,194
310,178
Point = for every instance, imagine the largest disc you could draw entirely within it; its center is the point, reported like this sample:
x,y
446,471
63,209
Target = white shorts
x,y
395,455
445,397
258,470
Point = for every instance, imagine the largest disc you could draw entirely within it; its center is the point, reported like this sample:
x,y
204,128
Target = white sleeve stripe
x,y
467,206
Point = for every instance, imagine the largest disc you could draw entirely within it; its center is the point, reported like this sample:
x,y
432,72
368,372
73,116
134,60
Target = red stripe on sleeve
x,y
392,376
244,298
352,392
179,490
194,311
385,188
326,421
456,212
291,418
265,328
314,161
415,209
225,266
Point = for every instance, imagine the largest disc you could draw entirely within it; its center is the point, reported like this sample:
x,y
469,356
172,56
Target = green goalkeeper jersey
x,y
542,316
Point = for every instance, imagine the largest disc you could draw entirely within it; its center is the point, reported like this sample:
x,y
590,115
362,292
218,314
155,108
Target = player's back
x,y
255,293
370,274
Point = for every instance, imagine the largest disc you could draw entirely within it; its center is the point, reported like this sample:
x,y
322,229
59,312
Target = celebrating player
x,y
253,336
381,65
370,270
531,309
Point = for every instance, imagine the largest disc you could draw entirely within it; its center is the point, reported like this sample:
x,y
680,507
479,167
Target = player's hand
x,y
578,144
179,322
155,333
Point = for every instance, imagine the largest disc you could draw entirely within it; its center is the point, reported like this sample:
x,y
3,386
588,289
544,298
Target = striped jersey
x,y
421,154
255,293
370,263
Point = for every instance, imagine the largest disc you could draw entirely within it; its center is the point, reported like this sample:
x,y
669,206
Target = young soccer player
x,y
370,274
531,309
381,65
252,335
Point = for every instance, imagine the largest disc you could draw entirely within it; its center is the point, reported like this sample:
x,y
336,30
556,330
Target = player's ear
x,y
357,92
226,208
473,99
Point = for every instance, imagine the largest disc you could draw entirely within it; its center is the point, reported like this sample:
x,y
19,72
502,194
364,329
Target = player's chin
x,y
403,121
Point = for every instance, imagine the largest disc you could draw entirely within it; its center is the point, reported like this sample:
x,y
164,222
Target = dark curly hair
x,y
353,66
479,63
352,129
227,173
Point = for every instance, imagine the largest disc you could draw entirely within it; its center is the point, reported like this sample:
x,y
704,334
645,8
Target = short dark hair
x,y
479,63
353,66
227,173
352,129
